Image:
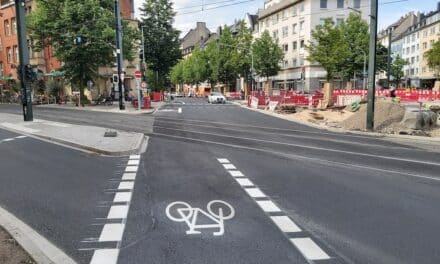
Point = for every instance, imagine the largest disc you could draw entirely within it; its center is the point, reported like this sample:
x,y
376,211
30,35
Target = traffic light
x,y
115,78
29,73
141,54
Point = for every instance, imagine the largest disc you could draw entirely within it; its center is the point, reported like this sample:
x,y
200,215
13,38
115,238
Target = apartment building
x,y
291,22
429,34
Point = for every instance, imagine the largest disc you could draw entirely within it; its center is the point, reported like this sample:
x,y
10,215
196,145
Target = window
x,y
323,4
417,58
413,49
294,45
301,26
301,45
425,33
15,51
417,47
413,37
294,62
301,7
301,61
1,69
431,42
8,55
294,28
283,14
425,45
14,25
407,39
267,22
7,28
322,21
275,34
407,50
285,31
356,3
294,11
286,64
275,19
412,71
412,60
339,21
340,4
285,47
432,30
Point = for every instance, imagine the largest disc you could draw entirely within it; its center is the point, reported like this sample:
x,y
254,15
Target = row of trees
x,y
229,57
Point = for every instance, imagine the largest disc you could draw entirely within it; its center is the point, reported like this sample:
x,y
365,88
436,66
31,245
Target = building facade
x,y
291,22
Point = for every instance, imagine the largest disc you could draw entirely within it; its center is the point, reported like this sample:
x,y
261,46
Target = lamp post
x,y
119,56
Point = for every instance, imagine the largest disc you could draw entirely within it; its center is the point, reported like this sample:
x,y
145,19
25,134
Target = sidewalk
x,y
129,109
87,138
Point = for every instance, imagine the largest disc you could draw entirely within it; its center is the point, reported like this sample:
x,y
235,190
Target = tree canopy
x,y
433,57
267,55
397,69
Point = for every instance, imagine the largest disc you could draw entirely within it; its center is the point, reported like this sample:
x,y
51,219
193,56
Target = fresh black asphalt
x,y
362,199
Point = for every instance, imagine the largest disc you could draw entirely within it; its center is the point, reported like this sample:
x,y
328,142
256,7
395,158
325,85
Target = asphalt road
x,y
299,194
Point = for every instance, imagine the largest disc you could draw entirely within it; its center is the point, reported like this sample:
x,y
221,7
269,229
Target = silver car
x,y
216,98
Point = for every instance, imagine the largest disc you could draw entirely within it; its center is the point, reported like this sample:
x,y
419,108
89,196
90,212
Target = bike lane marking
x,y
305,245
114,232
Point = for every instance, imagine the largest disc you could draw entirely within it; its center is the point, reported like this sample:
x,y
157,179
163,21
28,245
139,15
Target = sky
x,y
190,11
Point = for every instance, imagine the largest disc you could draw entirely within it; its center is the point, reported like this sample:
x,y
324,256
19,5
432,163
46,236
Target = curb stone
x,y
39,248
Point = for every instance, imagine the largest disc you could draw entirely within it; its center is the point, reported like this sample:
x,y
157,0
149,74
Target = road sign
x,y
144,85
137,74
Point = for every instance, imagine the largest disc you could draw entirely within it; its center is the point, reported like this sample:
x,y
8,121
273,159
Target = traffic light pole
x,y
372,65
23,52
119,56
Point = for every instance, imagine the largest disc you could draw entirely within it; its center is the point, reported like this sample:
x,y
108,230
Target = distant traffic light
x,y
115,78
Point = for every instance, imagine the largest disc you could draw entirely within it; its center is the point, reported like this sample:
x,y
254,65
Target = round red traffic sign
x,y
137,74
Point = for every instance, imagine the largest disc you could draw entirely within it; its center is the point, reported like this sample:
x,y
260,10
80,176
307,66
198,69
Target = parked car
x,y
218,98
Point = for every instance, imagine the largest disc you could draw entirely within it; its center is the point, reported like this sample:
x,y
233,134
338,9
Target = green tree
x,y
176,74
433,57
227,49
242,58
211,55
328,48
59,22
267,55
397,69
161,40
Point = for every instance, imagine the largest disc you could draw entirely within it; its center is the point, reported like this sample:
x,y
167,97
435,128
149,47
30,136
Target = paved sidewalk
x,y
88,138
129,109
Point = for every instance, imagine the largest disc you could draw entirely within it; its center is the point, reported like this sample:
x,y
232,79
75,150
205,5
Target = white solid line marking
x,y
131,169
122,197
133,162
223,160
112,232
105,256
179,110
255,192
309,248
21,137
236,173
285,224
244,182
129,176
8,139
118,212
268,206
135,156
126,186
229,166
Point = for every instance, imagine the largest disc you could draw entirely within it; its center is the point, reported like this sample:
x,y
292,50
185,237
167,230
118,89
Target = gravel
x,y
11,252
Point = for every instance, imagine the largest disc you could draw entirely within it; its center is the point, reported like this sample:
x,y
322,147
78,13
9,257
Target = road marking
x,y
131,169
129,176
217,212
244,182
306,147
19,137
179,110
112,232
236,173
135,156
118,212
105,256
285,224
255,192
122,197
229,167
8,139
126,186
309,248
223,160
268,206
133,162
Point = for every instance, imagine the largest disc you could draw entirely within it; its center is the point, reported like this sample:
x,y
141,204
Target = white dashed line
x,y
19,137
229,167
179,110
236,173
122,197
285,224
255,193
135,157
129,176
105,256
126,186
244,182
112,232
309,248
133,162
7,140
131,169
268,206
118,212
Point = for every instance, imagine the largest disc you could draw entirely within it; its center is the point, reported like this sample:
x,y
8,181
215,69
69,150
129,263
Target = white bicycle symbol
x,y
215,211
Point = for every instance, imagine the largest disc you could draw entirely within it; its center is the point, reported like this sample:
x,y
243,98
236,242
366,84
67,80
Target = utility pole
x,y
143,68
389,57
372,65
119,56
24,67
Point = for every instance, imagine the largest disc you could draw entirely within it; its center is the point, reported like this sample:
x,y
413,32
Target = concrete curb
x,y
341,130
39,248
96,110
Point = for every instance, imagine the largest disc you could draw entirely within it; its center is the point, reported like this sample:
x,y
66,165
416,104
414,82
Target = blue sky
x,y
389,11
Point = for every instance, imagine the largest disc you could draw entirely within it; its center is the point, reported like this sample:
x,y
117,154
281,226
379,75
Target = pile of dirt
x,y
11,252
386,114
